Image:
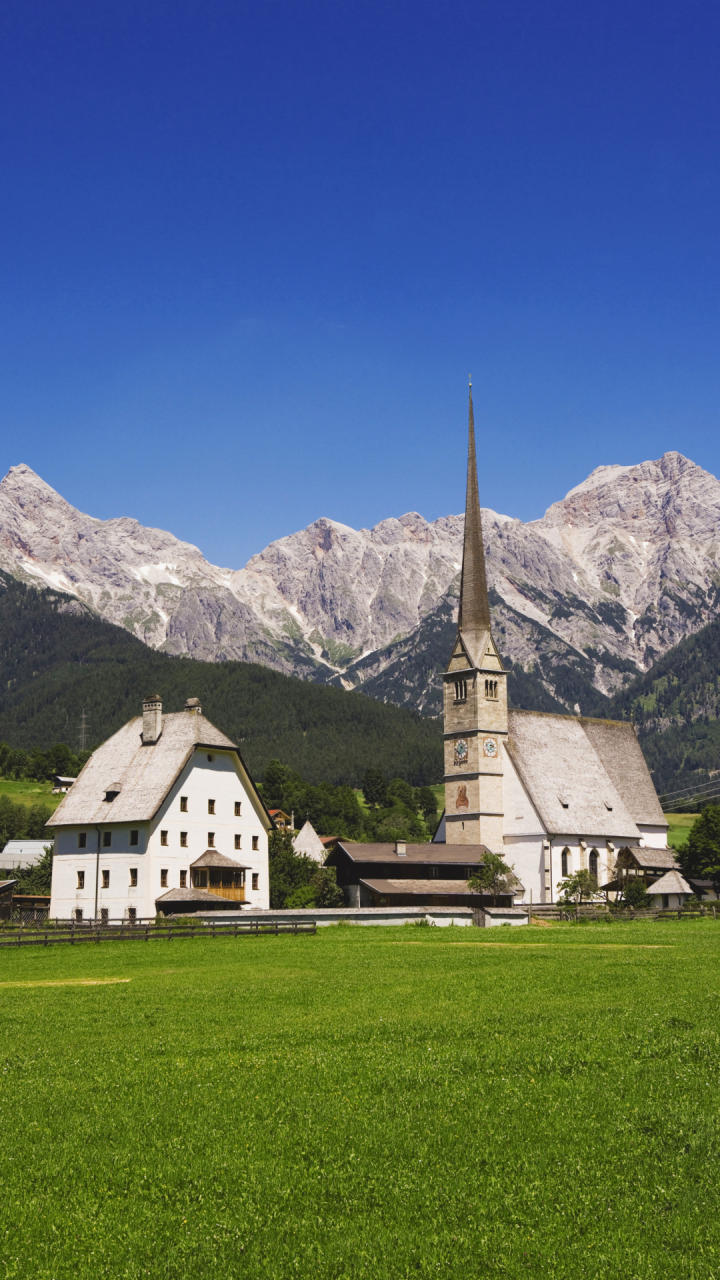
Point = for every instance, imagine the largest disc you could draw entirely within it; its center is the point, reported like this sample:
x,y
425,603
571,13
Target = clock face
x,y
461,752
490,748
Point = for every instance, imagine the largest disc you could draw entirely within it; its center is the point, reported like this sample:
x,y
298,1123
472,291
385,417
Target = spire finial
x,y
474,613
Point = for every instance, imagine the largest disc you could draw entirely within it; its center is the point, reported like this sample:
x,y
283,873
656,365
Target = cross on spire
x,y
474,613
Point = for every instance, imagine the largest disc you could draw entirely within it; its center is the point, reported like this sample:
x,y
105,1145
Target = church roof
x,y
615,741
583,775
141,774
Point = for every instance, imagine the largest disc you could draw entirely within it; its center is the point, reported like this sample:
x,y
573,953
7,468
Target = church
x,y
552,794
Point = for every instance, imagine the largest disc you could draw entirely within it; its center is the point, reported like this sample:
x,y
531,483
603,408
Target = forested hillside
x,y
57,660
675,706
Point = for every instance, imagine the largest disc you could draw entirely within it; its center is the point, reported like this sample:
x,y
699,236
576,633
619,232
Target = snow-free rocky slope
x,y
612,576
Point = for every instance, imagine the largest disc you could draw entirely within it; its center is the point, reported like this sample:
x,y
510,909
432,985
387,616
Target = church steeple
x,y
474,613
475,710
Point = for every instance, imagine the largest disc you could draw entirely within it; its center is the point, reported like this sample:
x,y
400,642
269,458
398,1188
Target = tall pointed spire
x,y
474,613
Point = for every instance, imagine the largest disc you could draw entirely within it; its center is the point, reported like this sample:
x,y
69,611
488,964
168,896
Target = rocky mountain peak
x,y
614,574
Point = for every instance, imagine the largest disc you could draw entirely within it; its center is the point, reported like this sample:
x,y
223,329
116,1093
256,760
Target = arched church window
x,y
593,863
461,690
565,862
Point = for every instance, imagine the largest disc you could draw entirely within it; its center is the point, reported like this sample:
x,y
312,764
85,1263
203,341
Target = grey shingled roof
x,y
23,853
655,859
145,773
193,895
582,775
615,741
461,855
671,882
213,858
426,888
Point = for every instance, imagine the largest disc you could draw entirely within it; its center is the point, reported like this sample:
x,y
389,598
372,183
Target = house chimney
x,y
400,848
152,719
193,705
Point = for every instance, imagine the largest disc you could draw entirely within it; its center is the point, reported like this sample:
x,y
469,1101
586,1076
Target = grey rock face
x,y
615,574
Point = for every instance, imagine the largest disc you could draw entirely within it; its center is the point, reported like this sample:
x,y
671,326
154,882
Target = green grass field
x,y
365,1103
679,825
26,791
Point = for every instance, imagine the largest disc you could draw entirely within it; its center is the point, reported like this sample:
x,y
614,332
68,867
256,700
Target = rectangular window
x,y
107,839
163,878
134,837
255,880
132,913
238,842
133,877
183,804
82,839
105,879
211,839
183,879
81,879
255,843
211,806
238,808
183,839
78,914
104,915
163,837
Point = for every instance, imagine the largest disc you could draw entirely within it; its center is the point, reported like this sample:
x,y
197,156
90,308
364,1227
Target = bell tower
x,y
475,713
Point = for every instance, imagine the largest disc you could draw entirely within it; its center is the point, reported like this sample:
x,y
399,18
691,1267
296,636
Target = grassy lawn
x,y
25,791
365,1103
679,827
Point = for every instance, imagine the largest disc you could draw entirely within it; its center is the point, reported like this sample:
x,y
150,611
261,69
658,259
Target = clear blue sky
x,y
251,251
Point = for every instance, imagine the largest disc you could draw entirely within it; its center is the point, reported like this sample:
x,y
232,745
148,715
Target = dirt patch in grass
x,y
66,982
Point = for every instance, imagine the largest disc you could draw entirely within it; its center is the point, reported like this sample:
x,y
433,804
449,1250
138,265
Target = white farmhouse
x,y
163,817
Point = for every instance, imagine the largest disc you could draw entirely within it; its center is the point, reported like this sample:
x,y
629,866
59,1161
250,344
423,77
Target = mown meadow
x,y
408,1102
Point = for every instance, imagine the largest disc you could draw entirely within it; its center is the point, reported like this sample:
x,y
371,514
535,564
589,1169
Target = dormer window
x,y
608,805
461,690
563,800
112,791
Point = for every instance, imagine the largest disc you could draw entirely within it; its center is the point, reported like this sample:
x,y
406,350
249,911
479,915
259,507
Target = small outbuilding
x,y
18,855
308,844
670,892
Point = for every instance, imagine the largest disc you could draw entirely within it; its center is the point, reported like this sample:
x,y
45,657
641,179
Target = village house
x,y
164,817
406,875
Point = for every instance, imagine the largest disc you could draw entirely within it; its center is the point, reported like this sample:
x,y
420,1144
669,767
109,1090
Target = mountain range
x,y
585,599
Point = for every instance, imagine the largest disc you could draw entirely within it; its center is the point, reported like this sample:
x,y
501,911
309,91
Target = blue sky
x,y
251,252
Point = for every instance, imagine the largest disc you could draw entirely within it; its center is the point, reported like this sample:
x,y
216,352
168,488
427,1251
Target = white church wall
x,y
653,837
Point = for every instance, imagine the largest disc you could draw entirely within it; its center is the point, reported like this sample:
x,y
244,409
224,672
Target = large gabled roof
x,y
586,776
616,743
140,773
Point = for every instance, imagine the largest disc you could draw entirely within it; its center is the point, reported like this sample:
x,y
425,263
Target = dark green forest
x,y
58,661
675,707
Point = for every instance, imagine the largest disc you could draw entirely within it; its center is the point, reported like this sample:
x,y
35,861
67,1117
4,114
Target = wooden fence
x,y
76,933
